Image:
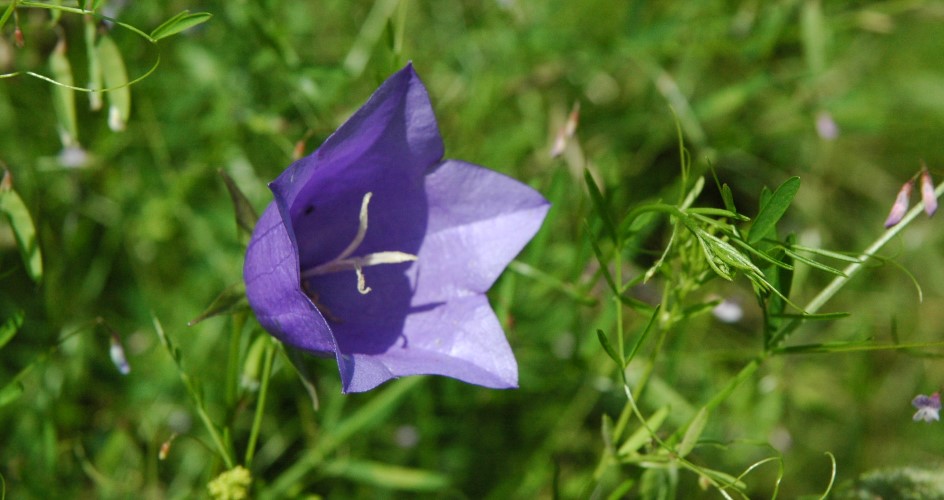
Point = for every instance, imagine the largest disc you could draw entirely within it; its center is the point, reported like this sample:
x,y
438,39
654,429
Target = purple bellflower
x,y
929,407
378,252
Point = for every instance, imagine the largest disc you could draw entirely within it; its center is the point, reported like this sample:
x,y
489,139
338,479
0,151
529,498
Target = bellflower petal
x,y
378,252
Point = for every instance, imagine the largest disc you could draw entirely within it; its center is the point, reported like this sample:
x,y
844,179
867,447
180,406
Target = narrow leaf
x,y
10,393
826,253
386,476
246,216
64,98
815,264
718,211
600,206
695,428
773,210
13,208
231,299
815,317
10,327
728,197
116,81
178,23
96,82
610,350
606,432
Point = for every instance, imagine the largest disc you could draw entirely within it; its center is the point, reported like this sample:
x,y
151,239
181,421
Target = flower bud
x,y
901,205
927,192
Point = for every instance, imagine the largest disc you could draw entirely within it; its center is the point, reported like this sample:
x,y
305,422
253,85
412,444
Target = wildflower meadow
x,y
498,249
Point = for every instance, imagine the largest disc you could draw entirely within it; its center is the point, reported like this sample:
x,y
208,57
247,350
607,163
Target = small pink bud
x,y
927,192
18,38
117,353
165,447
299,150
901,205
826,127
570,128
566,132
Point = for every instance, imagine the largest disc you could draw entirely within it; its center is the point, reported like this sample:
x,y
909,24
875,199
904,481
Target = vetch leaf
x,y
10,327
728,197
94,64
116,81
64,98
610,350
771,211
695,428
10,393
13,208
386,476
813,263
178,23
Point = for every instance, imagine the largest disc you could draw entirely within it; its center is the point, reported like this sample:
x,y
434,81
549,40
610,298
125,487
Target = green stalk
x,y
260,403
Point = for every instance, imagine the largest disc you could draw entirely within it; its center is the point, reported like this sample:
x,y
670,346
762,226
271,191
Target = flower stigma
x,y
344,261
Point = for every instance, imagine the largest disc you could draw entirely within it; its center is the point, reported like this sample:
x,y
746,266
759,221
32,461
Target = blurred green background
x,y
144,229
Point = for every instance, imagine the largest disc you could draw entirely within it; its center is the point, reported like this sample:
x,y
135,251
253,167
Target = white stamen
x,y
361,230
344,262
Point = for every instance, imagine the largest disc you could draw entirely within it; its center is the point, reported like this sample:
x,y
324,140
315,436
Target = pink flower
x,y
927,192
929,407
901,205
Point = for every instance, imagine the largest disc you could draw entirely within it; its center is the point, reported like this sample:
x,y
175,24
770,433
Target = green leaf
x,y
815,317
63,97
606,432
13,208
246,216
728,197
599,204
178,23
10,327
815,264
230,300
771,211
10,393
695,428
718,211
825,253
610,350
94,64
385,476
116,81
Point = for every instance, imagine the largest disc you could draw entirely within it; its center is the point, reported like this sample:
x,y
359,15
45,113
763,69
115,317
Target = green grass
x,y
144,234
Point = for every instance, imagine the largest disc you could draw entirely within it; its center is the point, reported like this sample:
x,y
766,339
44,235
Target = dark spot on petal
x,y
309,209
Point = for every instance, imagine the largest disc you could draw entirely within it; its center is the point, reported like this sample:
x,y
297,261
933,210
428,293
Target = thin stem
x,y
232,363
260,402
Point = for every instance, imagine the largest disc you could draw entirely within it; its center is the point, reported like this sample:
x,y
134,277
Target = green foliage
x,y
609,309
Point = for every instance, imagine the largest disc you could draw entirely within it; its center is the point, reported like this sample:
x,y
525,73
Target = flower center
x,y
344,261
